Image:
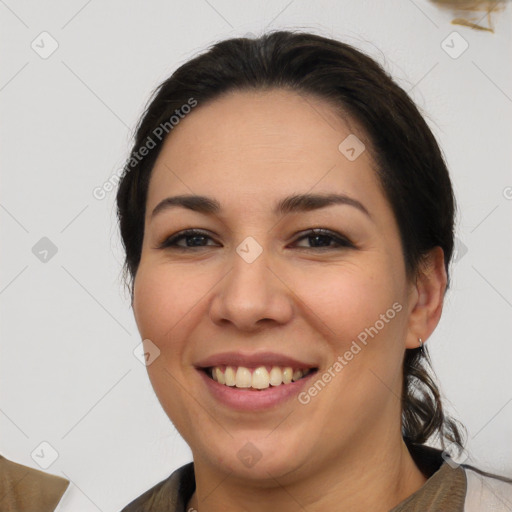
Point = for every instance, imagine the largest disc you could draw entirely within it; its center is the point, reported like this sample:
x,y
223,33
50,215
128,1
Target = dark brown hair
x,y
408,160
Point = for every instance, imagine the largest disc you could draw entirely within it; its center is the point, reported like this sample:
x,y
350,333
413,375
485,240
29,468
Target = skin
x,y
344,448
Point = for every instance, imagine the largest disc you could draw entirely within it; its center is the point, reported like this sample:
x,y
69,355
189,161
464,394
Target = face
x,y
258,291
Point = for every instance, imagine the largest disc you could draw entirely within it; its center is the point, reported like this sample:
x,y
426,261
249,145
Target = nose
x,y
252,295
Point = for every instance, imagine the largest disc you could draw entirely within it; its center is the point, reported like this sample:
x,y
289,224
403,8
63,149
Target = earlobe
x,y
429,290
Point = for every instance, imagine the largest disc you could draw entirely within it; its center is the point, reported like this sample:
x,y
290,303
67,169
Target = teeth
x,y
219,376
276,376
297,374
229,375
259,378
243,378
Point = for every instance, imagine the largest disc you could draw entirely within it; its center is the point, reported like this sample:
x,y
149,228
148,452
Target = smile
x,y
258,378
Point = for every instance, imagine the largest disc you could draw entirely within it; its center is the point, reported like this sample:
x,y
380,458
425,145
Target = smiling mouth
x,y
258,378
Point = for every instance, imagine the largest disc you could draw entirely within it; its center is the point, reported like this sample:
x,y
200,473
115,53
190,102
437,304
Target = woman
x,y
288,219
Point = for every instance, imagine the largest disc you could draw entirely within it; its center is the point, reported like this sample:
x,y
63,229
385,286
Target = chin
x,y
257,457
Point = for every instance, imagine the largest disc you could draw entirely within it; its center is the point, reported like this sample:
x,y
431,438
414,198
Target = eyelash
x,y
342,242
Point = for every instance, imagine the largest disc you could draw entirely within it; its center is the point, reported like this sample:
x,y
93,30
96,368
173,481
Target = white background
x,y
68,373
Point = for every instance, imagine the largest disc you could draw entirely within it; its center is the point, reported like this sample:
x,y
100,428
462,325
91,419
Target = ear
x,y
426,297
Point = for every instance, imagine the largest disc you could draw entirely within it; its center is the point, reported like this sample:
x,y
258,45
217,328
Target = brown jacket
x,y
23,489
449,488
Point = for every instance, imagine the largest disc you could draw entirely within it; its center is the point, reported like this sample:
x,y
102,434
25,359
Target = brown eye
x,y
319,238
196,237
322,238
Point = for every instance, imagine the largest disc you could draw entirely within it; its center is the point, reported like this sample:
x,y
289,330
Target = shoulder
x,y
170,494
487,491
23,488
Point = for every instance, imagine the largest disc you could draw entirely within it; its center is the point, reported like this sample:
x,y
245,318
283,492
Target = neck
x,y
378,478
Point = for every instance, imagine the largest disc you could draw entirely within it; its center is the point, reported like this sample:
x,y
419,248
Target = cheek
x,y
343,302
161,299
362,317
147,303
169,304
162,296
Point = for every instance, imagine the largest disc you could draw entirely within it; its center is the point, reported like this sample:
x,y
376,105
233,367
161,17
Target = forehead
x,y
262,144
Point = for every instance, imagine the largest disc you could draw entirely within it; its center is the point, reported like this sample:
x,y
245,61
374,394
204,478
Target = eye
x,y
195,235
319,237
324,237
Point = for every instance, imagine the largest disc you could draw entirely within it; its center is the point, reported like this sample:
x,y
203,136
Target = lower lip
x,y
247,399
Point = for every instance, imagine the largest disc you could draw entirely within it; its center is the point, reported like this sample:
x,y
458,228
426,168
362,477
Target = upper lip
x,y
252,360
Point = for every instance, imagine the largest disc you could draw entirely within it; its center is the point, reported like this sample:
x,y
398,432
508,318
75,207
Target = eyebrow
x,y
291,204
